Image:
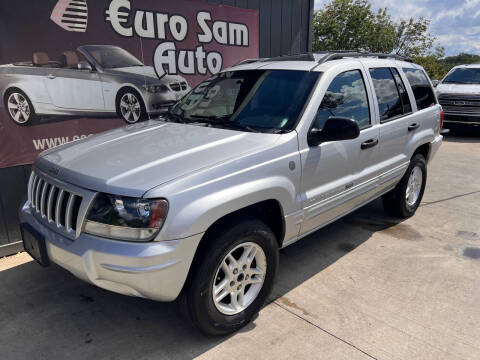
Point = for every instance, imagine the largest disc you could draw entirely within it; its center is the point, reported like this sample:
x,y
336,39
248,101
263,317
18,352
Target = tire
x,y
19,107
130,106
222,317
395,202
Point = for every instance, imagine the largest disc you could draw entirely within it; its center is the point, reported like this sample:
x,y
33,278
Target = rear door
x,y
395,115
428,111
338,176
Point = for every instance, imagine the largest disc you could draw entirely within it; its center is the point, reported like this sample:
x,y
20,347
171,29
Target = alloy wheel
x,y
130,108
414,186
239,278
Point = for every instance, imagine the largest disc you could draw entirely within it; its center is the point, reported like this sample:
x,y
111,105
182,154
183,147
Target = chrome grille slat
x,y
37,195
58,208
69,212
53,189
58,205
42,198
32,190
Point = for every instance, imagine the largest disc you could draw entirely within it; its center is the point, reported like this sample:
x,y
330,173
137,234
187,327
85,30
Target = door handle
x,y
369,144
51,76
413,127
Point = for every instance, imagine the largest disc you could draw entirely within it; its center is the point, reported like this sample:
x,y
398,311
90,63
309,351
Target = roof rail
x,y
327,56
336,55
296,57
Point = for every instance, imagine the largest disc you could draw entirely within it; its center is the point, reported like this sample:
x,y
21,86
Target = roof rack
x,y
327,56
336,55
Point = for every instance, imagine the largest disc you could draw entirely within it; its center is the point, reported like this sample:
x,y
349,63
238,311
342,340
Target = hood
x,y
131,160
458,89
147,71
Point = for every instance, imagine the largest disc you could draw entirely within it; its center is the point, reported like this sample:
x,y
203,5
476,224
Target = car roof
x,y
473,66
323,61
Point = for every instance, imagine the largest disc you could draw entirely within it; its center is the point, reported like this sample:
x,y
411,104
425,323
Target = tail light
x,y
442,117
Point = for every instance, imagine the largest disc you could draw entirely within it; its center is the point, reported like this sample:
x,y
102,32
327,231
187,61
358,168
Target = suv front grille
x,y
459,103
55,205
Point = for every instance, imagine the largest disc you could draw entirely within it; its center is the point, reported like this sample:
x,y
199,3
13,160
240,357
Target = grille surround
x,y
460,104
60,206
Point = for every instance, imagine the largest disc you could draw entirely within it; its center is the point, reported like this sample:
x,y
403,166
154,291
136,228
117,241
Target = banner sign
x,y
73,68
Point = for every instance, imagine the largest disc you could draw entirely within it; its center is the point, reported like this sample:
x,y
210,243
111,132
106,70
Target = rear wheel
x,y
130,106
19,107
404,200
232,277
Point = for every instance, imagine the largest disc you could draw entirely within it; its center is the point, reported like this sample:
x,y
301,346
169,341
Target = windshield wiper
x,y
169,116
456,82
223,121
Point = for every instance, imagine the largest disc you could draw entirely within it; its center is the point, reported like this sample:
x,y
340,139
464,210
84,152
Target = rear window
x,y
422,90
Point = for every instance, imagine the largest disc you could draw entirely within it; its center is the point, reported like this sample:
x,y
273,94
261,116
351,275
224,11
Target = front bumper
x,y
160,102
154,270
470,119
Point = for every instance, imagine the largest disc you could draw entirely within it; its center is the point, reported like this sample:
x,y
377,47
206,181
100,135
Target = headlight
x,y
155,88
126,218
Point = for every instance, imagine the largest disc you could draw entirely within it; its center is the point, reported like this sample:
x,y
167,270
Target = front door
x,y
75,89
341,175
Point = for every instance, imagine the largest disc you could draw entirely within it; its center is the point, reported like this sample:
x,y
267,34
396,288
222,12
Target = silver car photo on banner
x,y
94,81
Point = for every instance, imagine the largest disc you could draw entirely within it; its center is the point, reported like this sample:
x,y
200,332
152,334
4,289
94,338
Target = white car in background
x,y
459,95
109,81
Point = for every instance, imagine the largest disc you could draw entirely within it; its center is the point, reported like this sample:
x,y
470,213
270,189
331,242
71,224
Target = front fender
x,y
200,199
198,215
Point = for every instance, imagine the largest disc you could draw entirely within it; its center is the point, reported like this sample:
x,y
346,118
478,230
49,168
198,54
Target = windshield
x,y
111,57
263,100
463,76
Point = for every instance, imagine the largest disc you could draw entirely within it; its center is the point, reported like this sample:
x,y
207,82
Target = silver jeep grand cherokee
x,y
197,205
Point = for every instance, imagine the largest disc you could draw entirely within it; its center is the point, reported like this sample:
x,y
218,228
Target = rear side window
x,y
402,90
345,97
422,90
389,102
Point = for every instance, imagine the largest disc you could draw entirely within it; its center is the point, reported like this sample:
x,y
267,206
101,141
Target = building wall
x,y
285,28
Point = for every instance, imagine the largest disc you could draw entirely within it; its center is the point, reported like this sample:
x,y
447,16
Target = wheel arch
x,y
423,150
260,210
17,88
268,211
122,88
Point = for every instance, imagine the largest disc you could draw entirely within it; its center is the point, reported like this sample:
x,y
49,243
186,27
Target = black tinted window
x,y
407,106
421,88
346,97
463,76
389,101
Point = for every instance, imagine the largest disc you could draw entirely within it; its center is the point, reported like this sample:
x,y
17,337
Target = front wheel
x,y
232,277
130,107
404,200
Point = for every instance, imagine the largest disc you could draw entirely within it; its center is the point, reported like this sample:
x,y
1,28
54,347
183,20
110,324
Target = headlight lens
x,y
126,218
155,88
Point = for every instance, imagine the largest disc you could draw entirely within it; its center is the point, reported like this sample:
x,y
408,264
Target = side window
x,y
422,90
345,97
389,102
407,106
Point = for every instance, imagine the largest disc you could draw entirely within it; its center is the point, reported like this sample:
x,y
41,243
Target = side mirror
x,y
84,65
335,129
435,83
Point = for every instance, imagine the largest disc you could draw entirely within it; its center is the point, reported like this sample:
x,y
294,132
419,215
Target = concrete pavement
x,y
364,287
